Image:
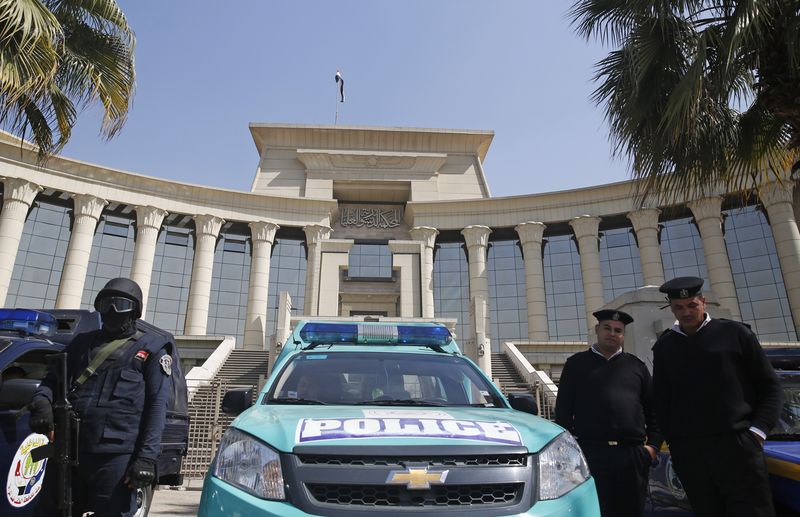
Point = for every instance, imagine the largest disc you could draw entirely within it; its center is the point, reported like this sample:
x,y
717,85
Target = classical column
x,y
530,236
148,224
427,236
708,214
255,326
777,199
645,224
585,228
206,232
17,198
85,214
476,238
314,234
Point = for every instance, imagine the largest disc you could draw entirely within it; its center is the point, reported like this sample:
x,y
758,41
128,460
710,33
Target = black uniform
x,y
607,405
122,410
710,388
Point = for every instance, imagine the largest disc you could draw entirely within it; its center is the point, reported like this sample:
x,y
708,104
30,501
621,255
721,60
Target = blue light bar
x,y
437,336
28,321
329,333
381,333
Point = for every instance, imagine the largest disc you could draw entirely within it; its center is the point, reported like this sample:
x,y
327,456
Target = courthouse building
x,y
380,221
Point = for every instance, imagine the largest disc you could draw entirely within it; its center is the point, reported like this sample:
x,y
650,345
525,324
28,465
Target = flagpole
x,y
340,91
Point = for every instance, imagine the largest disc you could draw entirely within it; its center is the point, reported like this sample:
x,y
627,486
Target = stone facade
x,y
393,194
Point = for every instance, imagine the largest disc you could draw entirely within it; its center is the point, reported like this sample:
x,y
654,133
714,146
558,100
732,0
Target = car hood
x,y
786,451
286,426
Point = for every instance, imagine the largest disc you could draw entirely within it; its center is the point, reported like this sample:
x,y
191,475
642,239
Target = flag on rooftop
x,y
340,82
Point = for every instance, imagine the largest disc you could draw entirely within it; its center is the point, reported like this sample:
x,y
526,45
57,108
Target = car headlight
x,y
249,464
562,467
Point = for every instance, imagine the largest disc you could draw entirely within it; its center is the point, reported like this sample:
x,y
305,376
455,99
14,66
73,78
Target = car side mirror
x,y
17,393
237,400
523,401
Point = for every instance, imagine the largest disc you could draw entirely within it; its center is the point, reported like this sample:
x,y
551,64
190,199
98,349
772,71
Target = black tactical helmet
x,y
124,287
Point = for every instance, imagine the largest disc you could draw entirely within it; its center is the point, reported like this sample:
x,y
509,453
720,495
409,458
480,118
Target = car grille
x,y
357,480
517,460
452,495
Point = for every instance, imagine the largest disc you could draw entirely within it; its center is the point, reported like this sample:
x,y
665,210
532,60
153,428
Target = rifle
x,y
63,450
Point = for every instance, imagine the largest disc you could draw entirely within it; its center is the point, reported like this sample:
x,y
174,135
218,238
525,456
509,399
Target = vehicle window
x,y
30,365
789,421
362,378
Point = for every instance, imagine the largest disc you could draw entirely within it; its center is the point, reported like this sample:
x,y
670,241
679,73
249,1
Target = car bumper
x,y
220,499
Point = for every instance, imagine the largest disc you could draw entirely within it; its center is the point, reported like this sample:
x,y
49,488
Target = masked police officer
x,y
605,399
118,379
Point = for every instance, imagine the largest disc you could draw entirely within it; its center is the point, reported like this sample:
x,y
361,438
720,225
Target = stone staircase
x,y
504,374
509,379
243,368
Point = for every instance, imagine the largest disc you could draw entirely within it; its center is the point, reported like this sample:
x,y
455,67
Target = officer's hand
x,y
652,452
41,419
141,473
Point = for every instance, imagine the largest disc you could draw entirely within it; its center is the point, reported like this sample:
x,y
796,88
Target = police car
x,y
384,418
27,338
782,451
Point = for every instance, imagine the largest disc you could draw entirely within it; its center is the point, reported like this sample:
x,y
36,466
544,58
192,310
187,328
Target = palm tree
x,y
56,58
698,93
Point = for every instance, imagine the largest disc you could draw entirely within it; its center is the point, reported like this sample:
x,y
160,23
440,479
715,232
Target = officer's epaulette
x,y
734,321
163,335
636,357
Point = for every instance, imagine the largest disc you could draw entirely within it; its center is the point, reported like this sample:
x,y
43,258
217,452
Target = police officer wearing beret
x,y
605,400
717,397
122,405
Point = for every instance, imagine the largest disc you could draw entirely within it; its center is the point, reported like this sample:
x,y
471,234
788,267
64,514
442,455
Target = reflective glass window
x,y
287,272
230,281
619,263
508,303
451,288
563,285
757,275
370,261
682,249
111,256
172,276
40,257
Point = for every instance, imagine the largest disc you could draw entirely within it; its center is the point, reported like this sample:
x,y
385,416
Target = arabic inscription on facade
x,y
371,217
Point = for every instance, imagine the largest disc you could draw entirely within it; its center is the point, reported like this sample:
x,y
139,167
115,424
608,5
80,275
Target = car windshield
x,y
789,422
382,378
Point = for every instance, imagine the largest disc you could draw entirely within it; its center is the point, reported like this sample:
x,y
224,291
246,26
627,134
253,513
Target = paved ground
x,y
175,503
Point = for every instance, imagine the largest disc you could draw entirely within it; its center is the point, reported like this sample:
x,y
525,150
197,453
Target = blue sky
x,y
205,70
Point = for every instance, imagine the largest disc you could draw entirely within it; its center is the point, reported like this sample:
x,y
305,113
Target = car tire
x,y
144,500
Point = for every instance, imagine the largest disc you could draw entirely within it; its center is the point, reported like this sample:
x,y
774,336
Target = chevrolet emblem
x,y
416,478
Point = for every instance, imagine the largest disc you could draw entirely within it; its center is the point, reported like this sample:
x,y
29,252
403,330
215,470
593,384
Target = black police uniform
x,y
607,405
122,410
710,388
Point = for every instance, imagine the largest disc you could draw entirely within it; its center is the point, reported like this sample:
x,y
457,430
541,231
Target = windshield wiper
x,y
399,402
310,402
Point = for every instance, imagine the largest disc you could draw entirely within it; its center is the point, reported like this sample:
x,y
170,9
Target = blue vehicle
x,y
782,450
390,418
27,339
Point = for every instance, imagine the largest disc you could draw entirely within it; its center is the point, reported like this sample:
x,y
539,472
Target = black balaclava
x,y
118,324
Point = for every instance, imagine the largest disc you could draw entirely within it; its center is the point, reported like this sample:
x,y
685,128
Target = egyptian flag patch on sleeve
x,y
142,355
166,363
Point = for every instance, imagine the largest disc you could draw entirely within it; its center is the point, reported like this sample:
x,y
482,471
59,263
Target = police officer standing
x,y
605,400
716,398
118,378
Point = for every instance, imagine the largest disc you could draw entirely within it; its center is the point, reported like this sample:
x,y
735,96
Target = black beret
x,y
682,287
611,314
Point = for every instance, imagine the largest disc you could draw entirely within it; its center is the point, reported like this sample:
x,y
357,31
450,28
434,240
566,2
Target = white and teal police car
x,y
389,419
